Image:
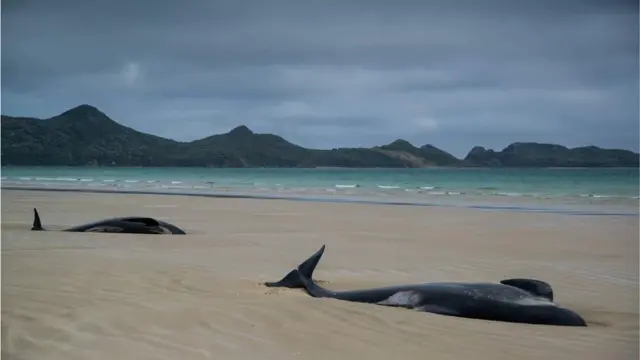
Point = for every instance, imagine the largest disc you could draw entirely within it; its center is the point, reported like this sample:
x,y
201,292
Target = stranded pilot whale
x,y
526,301
128,225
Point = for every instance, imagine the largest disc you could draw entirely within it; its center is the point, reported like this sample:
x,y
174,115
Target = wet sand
x,y
199,296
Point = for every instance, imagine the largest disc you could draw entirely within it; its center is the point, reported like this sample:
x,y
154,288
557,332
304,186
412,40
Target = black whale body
x,y
128,225
526,301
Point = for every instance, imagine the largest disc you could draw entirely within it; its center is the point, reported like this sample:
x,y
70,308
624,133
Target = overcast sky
x,y
325,73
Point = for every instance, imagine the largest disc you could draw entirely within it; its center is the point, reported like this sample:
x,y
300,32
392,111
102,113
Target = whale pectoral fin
x,y
532,286
437,309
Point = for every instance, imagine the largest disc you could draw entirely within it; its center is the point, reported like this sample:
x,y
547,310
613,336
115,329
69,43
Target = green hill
x,y
551,155
84,136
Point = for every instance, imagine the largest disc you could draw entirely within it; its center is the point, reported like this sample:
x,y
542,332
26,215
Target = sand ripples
x,y
79,296
183,312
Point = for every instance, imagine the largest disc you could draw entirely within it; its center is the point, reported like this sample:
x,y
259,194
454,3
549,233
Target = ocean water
x,y
439,186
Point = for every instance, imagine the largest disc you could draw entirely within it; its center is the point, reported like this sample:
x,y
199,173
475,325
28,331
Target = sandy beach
x,y
199,296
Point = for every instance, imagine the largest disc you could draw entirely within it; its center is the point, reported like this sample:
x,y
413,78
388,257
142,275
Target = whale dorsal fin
x,y
532,286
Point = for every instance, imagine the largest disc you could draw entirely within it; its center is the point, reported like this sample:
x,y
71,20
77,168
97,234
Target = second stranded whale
x,y
127,225
526,301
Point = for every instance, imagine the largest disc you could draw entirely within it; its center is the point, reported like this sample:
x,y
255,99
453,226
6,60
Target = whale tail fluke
x,y
37,225
292,279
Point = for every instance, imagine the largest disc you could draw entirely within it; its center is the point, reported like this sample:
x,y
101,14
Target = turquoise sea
x,y
611,188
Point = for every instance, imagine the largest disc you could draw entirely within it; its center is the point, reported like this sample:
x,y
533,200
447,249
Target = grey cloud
x,y
335,73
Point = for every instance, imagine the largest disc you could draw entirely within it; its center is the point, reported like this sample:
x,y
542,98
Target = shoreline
x,y
559,209
613,190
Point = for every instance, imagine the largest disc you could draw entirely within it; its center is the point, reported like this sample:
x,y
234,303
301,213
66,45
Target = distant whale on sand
x,y
526,301
127,225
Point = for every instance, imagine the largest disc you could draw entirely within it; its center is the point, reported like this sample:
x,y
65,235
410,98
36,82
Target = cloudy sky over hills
x,y
325,73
